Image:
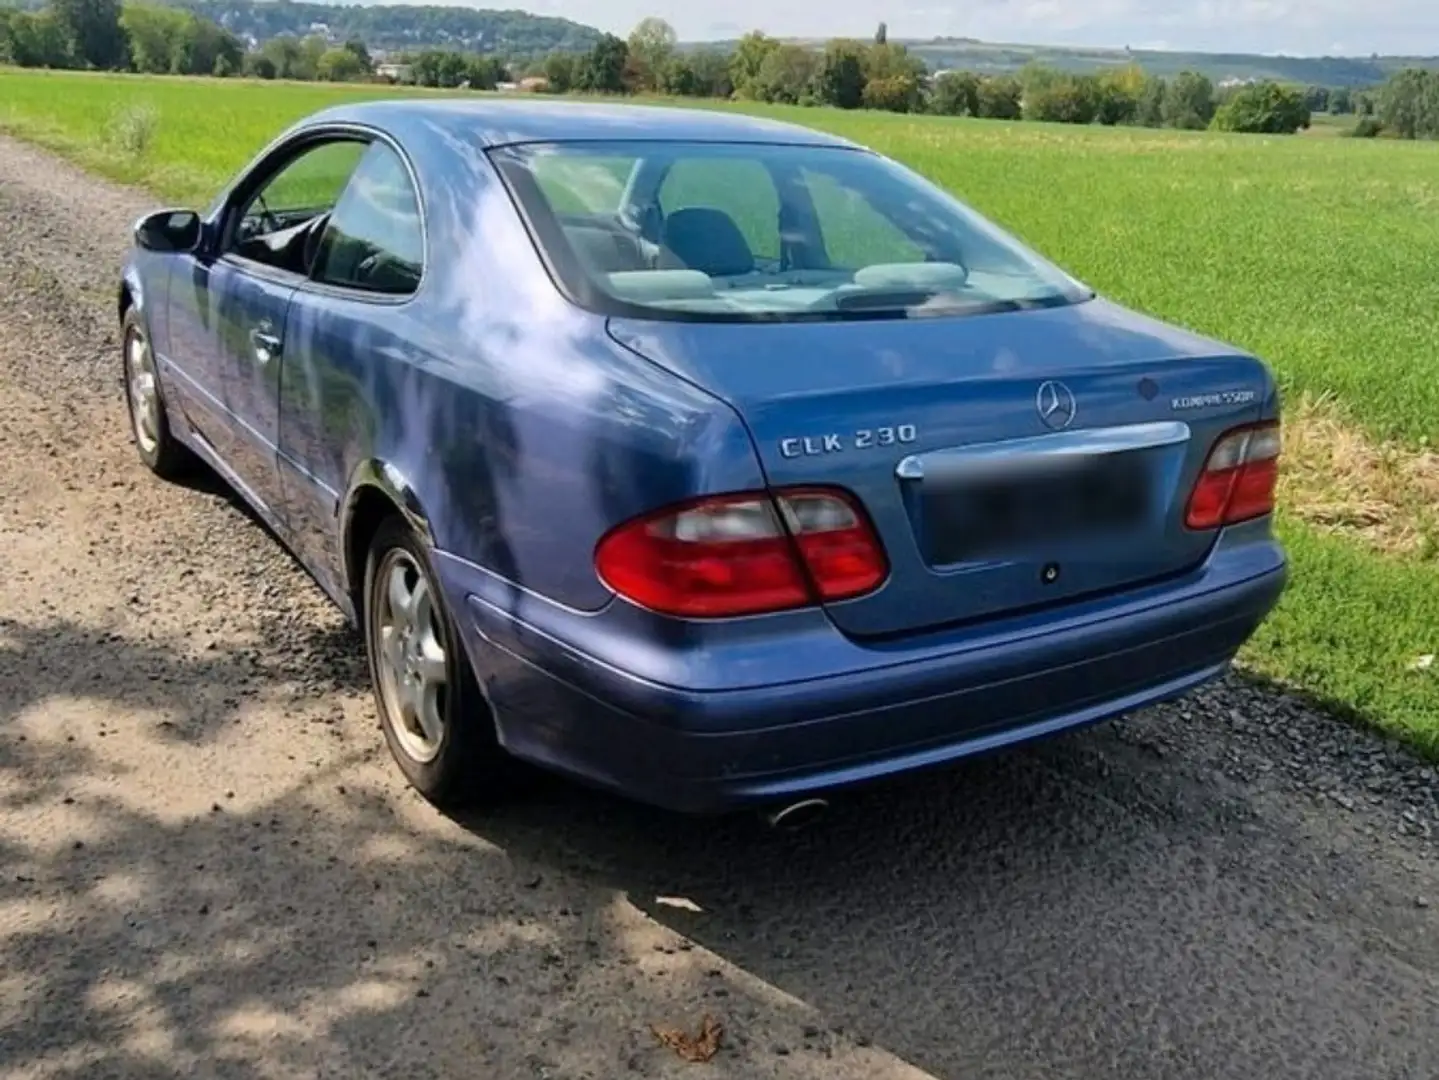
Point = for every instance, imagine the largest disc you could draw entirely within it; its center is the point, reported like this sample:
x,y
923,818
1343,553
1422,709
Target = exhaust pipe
x,y
798,815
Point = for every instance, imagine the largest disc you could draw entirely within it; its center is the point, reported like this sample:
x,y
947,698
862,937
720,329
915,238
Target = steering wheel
x,y
268,220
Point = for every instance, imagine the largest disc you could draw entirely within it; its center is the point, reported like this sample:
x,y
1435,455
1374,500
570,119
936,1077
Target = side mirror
x,y
169,231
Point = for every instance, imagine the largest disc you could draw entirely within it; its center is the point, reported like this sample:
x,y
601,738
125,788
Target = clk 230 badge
x,y
1210,401
863,439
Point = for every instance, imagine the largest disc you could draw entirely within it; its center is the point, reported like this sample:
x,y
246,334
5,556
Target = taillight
x,y
1239,478
744,554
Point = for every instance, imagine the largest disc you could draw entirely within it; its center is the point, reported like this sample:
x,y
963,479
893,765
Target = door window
x,y
374,241
277,224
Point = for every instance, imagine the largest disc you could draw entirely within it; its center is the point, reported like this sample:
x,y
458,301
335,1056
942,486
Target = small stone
x,y
1421,901
781,1049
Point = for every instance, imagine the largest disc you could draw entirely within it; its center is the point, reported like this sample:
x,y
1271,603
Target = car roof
x,y
504,121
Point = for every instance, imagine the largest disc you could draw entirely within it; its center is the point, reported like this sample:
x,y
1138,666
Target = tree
x,y
485,72
1341,101
560,72
286,58
259,66
787,75
841,79
1317,98
36,39
651,47
1264,107
1118,91
154,33
1409,104
956,93
93,27
749,56
340,65
1000,97
1149,112
203,47
711,70
893,93
1068,99
892,61
881,36
602,69
362,53
1188,101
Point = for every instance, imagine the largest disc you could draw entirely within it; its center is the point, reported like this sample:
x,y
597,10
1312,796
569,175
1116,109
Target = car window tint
x,y
374,240
856,234
740,188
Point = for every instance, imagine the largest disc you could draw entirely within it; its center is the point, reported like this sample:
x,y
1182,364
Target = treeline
x,y
880,74
845,74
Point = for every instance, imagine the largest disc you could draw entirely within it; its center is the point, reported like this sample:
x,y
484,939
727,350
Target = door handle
x,y
265,345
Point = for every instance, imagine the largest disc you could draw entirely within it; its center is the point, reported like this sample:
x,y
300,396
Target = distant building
x,y
393,72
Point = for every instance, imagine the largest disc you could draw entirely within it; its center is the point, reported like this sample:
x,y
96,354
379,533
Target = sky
x,y
1294,27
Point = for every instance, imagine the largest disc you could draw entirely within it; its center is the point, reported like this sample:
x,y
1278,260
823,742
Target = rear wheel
x,y
436,721
161,452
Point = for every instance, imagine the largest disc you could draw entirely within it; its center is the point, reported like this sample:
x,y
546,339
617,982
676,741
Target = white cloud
x,y
1294,27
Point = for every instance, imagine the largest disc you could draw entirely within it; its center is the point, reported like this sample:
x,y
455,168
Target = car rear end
x,y
977,525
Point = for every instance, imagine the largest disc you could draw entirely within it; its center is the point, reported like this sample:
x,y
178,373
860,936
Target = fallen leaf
x,y
681,902
699,1048
1424,663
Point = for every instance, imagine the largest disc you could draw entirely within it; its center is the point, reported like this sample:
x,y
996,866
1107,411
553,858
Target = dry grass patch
x,y
1337,479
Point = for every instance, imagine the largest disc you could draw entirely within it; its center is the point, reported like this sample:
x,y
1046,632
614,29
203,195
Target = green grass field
x,y
1315,252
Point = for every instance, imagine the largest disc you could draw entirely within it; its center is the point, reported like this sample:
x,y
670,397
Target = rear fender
x,y
374,477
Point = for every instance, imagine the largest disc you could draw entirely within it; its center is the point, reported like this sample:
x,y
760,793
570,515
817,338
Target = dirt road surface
x,y
209,868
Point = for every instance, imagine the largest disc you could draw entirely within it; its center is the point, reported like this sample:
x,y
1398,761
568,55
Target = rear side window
x,y
375,240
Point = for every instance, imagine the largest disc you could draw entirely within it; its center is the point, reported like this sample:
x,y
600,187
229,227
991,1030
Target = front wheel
x,y
162,453
436,721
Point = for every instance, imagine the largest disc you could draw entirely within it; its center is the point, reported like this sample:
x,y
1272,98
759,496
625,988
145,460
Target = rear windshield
x,y
738,232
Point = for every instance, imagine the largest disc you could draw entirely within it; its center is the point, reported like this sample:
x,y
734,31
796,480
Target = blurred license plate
x,y
1002,509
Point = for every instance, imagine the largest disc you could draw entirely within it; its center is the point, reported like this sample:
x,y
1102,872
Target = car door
x,y
346,336
267,237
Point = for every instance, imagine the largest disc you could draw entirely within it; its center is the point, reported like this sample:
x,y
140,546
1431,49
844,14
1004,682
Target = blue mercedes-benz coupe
x,y
711,460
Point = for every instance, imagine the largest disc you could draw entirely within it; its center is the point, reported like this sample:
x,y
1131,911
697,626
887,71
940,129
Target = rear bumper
x,y
893,708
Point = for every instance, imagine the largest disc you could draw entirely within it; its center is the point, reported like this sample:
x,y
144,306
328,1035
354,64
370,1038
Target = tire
x,y
163,454
436,721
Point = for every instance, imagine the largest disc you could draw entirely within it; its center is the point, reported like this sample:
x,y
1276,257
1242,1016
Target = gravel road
x,y
209,868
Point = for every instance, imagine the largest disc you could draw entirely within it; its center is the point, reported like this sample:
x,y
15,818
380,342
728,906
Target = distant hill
x,y
400,26
966,54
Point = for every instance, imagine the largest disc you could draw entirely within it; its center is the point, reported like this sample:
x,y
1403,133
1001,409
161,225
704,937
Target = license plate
x,y
1011,509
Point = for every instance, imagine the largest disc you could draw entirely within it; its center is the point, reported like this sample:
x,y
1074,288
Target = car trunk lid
x,y
1008,461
